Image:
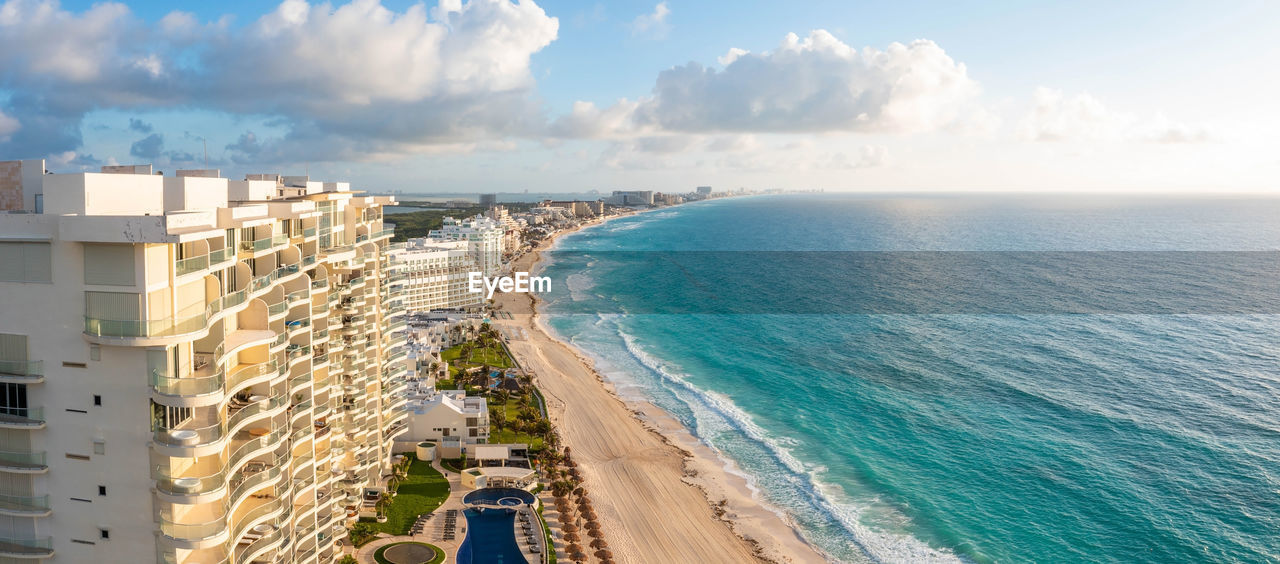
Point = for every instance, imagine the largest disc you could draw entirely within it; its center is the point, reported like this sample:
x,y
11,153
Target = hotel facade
x,y
193,370
436,274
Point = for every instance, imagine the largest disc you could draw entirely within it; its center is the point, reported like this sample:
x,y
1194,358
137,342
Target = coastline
x,y
669,497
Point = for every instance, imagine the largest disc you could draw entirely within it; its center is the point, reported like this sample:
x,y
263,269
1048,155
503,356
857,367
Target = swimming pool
x,y
491,537
510,497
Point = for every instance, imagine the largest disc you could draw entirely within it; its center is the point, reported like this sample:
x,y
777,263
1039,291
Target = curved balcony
x,y
22,371
25,506
253,479
190,391
248,375
188,441
163,331
31,462
275,515
189,490
261,409
32,547
21,418
193,536
254,448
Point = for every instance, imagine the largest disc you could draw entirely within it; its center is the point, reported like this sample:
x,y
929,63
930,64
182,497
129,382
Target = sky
x,y
567,96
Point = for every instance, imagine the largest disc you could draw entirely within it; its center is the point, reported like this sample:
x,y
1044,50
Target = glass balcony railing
x,y
220,256
281,239
299,296
256,245
246,413
249,372
189,265
191,436
191,531
32,546
34,460
277,309
21,416
24,504
190,386
187,485
308,232
33,369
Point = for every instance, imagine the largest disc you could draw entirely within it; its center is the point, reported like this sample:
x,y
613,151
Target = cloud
x,y
356,81
148,148
139,126
815,84
1057,117
8,126
653,25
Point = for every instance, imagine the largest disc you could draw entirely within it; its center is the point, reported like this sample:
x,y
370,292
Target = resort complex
x,y
224,372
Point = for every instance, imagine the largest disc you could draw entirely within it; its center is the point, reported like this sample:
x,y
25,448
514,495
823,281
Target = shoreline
x,y
677,498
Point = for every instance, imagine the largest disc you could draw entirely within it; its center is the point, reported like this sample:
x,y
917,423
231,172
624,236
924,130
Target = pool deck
x,y
433,533
434,530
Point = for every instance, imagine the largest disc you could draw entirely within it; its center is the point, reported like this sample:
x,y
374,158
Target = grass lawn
x,y
423,491
493,356
380,559
507,436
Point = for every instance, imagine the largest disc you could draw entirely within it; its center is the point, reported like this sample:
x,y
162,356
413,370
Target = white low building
x,y
451,419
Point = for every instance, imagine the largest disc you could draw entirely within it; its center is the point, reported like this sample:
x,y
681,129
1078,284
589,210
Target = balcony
x,y
193,535
189,265
23,462
35,547
26,506
21,417
187,486
190,436
22,371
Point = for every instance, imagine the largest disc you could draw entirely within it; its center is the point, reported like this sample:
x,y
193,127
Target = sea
x,y
959,378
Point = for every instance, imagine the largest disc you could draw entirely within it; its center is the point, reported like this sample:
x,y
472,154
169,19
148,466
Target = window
x,y
13,399
99,446
95,352
109,264
102,490
104,534
97,400
166,417
25,261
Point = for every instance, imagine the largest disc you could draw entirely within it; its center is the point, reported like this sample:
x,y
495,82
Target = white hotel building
x,y
193,370
435,274
483,237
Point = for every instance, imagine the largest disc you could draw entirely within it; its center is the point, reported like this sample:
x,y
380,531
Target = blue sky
x,y
489,95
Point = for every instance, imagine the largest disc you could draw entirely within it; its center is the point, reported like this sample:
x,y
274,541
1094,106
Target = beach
x,y
662,495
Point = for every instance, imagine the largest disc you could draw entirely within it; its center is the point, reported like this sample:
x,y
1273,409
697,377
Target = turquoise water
x,y
1027,435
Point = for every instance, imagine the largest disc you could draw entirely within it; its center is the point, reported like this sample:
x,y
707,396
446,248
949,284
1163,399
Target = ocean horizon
x,y
1115,428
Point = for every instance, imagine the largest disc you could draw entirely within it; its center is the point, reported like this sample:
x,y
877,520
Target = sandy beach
x,y
662,495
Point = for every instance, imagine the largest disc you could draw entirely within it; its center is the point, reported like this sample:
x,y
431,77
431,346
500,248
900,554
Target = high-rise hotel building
x,y
435,274
193,370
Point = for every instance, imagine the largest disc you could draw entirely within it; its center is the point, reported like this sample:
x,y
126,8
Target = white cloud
x,y
1057,117
346,81
815,84
733,55
653,24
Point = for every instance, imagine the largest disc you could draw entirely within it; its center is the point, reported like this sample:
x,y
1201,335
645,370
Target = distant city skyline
x,y
492,96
